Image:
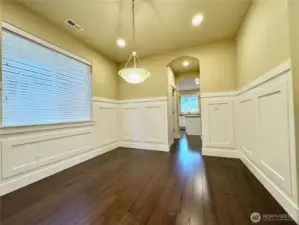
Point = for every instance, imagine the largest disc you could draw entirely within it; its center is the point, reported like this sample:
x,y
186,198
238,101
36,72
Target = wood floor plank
x,y
137,187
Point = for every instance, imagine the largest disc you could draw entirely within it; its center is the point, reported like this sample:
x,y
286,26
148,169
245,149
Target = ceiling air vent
x,y
74,25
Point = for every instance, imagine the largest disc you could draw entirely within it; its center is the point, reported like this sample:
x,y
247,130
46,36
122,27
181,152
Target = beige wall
x,y
217,71
104,71
263,41
154,86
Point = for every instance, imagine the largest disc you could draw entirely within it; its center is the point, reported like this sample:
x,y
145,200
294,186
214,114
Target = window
x,y
189,104
41,85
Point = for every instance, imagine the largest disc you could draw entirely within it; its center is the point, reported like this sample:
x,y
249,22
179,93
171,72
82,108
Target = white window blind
x,y
41,85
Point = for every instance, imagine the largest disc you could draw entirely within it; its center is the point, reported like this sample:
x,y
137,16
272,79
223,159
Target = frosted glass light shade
x,y
134,75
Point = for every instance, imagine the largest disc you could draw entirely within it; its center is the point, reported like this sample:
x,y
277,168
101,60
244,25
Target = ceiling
x,y
161,25
187,83
178,67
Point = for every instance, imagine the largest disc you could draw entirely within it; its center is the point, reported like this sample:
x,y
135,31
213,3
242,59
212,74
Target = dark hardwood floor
x,y
139,187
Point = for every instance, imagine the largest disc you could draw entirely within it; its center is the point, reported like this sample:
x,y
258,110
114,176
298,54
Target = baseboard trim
x,y
16,182
218,152
23,180
284,200
145,146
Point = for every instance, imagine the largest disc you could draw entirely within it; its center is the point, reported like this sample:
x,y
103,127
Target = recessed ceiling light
x,y
186,63
121,43
196,20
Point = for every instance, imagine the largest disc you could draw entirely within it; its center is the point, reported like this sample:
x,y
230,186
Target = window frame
x,y
31,37
192,113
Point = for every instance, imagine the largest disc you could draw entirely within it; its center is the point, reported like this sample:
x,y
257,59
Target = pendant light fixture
x,y
134,75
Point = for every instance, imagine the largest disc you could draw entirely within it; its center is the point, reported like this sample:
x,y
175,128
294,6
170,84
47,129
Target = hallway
x,y
130,187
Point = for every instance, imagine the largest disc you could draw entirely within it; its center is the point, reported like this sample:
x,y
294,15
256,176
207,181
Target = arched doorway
x,y
184,96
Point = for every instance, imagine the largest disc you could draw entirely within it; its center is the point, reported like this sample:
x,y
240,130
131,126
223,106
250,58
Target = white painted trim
x,y
145,146
163,98
218,152
218,94
284,200
293,152
44,127
267,76
34,38
136,100
107,100
170,143
44,172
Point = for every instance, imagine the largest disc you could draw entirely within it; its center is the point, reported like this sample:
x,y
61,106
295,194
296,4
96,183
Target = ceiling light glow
x,y
186,63
121,43
196,20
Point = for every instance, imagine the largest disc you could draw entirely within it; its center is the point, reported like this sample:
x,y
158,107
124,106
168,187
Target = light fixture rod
x,y
128,61
133,23
139,61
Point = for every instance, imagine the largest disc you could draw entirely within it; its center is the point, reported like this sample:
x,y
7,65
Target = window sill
x,y
44,127
190,114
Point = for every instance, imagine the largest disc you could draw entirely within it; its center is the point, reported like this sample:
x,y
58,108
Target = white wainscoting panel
x,y
265,134
154,123
131,122
31,151
106,117
29,154
257,121
274,133
144,124
245,124
218,126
